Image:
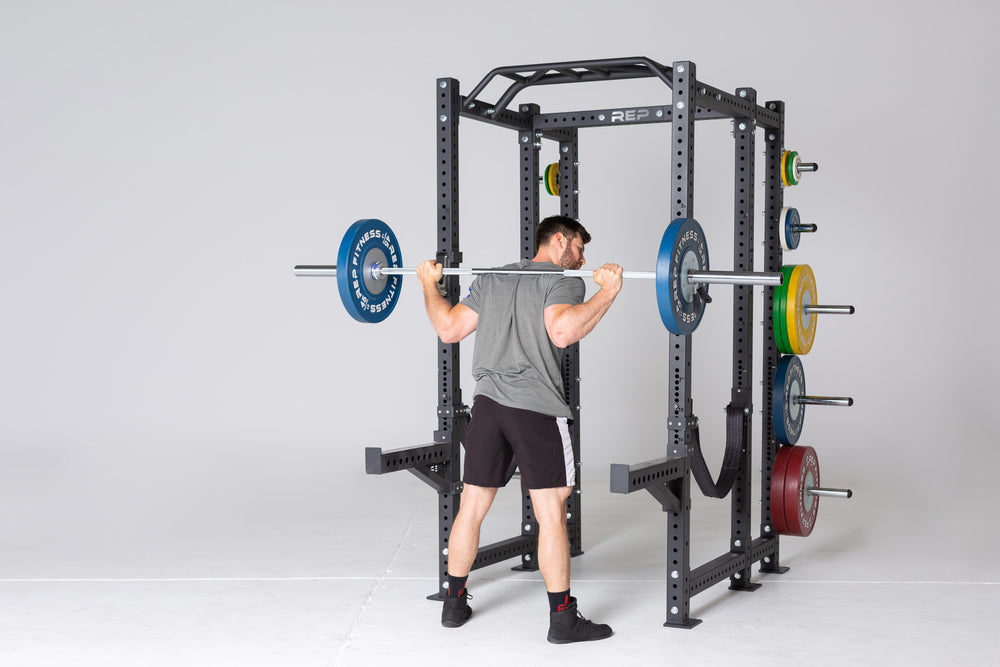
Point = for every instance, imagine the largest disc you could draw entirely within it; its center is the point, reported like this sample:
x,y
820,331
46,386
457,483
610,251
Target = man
x,y
519,407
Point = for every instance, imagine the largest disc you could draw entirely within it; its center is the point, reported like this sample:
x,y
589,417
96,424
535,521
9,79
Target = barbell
x,y
369,273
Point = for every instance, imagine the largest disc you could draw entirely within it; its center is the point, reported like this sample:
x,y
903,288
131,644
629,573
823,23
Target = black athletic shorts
x,y
498,433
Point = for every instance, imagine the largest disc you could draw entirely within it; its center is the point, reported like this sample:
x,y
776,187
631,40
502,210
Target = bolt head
x,y
680,105
680,68
443,84
443,118
743,93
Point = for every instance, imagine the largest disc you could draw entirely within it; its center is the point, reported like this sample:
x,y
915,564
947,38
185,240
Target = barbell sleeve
x,y
830,493
316,270
734,278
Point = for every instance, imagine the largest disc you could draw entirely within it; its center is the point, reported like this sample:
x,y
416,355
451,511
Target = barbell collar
x,y
843,402
830,493
828,310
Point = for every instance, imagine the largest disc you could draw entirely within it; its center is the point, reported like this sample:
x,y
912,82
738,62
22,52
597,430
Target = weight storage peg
x,y
792,167
795,309
790,228
789,400
796,490
370,271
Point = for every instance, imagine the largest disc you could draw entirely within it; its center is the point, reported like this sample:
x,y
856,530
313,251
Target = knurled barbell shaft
x,y
843,402
694,277
830,493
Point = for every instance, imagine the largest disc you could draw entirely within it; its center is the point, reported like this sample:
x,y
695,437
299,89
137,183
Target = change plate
x,y
800,325
368,244
788,223
683,249
790,173
790,494
552,179
787,414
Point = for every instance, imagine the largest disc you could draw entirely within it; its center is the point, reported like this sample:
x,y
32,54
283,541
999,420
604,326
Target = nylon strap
x,y
730,460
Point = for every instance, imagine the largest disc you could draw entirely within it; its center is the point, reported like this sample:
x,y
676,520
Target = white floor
x,y
351,590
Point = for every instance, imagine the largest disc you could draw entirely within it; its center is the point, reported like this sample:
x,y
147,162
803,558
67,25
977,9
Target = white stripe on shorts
x,y
562,423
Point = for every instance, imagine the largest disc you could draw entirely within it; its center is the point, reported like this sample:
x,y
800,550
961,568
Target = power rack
x,y
667,479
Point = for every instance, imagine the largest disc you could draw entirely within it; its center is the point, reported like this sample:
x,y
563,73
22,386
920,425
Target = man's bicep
x,y
464,319
552,316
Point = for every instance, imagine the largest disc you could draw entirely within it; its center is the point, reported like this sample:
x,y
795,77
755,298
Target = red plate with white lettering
x,y
790,497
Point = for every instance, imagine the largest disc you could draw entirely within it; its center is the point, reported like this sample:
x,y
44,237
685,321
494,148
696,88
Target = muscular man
x,y
519,406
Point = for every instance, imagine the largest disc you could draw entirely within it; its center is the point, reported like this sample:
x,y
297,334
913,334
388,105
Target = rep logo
x,y
629,115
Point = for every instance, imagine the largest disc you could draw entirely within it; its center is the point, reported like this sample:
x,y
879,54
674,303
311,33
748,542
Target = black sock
x,y
559,601
456,585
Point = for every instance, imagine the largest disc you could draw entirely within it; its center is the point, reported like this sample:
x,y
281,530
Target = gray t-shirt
x,y
515,362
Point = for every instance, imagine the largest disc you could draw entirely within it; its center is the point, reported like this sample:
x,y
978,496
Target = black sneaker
x,y
570,626
456,610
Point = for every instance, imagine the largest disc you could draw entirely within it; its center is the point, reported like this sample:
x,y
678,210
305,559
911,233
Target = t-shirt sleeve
x,y
566,290
471,299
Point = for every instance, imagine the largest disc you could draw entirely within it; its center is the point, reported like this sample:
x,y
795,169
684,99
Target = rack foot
x,y
748,588
687,625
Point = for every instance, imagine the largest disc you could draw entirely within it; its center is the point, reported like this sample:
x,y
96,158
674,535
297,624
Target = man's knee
x,y
550,504
476,501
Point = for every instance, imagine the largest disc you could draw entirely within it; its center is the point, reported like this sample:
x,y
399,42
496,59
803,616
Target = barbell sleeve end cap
x,y
809,166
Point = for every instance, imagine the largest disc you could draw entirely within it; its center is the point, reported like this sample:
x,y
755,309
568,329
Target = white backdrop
x,y
176,403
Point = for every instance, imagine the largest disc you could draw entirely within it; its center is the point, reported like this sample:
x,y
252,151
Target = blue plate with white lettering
x,y
368,246
787,414
683,249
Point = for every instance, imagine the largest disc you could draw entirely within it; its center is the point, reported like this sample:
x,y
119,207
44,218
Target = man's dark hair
x,y
559,224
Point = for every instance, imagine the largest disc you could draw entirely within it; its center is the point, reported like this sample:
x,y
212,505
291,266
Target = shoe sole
x,y
573,641
456,624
